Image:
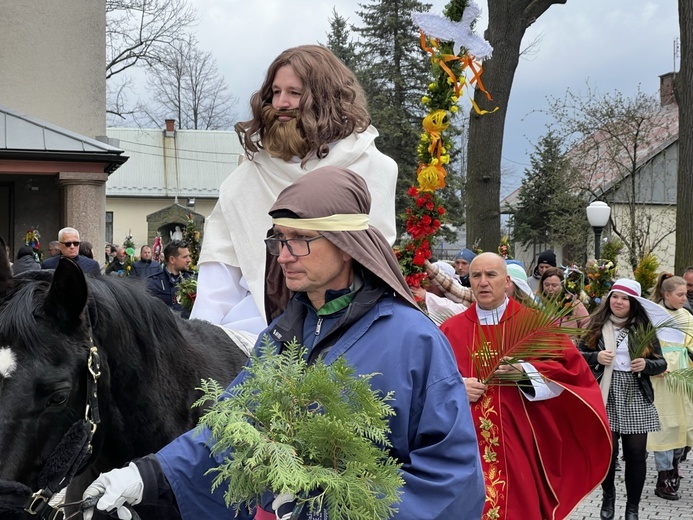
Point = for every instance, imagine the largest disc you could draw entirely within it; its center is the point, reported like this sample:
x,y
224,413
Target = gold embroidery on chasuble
x,y
486,412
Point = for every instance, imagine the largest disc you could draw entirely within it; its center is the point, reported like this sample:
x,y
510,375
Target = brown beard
x,y
283,139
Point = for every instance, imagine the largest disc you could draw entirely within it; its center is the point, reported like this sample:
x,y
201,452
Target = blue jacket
x,y
432,431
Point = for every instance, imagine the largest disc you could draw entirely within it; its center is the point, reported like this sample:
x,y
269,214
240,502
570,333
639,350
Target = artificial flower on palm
x,y
129,245
33,239
192,236
600,278
449,61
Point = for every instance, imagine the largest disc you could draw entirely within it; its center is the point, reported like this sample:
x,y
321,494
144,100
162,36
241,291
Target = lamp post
x,y
598,213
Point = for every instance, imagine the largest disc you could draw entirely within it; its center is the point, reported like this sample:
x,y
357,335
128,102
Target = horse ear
x,y
5,270
67,296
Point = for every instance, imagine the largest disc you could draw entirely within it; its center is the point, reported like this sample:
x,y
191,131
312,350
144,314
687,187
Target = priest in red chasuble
x,y
542,428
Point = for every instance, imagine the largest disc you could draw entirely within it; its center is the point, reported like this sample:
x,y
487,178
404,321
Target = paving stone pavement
x,y
651,506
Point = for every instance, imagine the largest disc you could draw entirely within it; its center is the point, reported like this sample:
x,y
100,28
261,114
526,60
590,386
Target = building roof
x,y
180,163
604,165
24,137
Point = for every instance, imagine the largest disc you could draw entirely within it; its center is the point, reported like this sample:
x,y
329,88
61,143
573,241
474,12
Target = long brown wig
x,y
332,106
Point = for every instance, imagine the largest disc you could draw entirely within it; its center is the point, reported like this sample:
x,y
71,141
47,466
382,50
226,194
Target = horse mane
x,y
118,307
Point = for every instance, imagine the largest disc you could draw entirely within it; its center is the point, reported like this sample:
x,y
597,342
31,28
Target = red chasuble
x,y
540,458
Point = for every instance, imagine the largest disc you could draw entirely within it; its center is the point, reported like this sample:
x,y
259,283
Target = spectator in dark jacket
x,y
145,266
69,248
164,284
26,261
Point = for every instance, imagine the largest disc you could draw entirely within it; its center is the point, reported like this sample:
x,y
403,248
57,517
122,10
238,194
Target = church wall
x,y
52,62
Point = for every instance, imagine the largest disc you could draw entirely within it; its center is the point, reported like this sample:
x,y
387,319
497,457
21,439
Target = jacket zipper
x,y
318,327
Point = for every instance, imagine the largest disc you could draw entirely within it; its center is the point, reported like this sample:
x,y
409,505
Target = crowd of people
x,y
162,278
484,427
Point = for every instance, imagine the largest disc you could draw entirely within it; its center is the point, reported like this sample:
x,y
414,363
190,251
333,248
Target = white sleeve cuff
x,y
543,389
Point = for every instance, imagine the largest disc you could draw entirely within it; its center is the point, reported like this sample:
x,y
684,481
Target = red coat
x,y
540,458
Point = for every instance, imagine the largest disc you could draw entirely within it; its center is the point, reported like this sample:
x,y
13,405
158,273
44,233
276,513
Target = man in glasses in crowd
x,y
351,301
68,241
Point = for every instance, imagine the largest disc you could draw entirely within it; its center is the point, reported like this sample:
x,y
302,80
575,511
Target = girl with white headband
x,y
626,386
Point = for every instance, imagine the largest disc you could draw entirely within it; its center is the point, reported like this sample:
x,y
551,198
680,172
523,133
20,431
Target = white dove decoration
x,y
460,33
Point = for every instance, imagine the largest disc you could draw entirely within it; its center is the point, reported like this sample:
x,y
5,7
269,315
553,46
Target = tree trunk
x,y
507,24
684,96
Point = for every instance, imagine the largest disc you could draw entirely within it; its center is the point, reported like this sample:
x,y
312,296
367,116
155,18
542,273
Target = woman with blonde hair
x,y
623,368
674,408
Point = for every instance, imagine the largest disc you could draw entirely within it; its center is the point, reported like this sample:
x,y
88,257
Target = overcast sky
x,y
615,44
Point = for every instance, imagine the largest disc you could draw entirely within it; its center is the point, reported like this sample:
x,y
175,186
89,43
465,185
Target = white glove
x,y
288,501
116,488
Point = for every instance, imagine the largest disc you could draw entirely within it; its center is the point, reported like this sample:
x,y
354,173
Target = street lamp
x,y
598,213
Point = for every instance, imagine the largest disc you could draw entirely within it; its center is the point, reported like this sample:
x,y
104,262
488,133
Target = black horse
x,y
150,364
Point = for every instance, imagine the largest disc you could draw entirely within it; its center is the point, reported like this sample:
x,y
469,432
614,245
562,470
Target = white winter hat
x,y
656,313
627,286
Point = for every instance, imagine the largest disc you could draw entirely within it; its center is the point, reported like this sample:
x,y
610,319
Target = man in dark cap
x,y
545,260
349,300
462,261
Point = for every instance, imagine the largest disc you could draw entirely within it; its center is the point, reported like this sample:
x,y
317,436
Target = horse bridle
x,y
77,440
39,501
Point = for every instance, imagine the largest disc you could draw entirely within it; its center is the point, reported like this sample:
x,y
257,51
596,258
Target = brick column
x,y
84,206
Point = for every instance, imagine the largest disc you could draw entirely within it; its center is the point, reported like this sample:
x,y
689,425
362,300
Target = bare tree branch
x,y
185,83
137,30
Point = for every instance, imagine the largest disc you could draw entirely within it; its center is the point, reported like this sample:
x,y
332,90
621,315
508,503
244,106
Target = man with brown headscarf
x,y
351,301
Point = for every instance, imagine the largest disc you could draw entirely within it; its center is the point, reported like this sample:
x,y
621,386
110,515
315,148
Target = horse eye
x,y
58,398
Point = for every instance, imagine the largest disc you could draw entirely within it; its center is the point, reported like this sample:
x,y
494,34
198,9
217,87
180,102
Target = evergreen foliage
x,y
611,249
316,431
339,40
646,273
551,207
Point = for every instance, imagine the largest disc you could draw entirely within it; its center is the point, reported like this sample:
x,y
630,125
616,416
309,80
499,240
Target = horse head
x,y
44,347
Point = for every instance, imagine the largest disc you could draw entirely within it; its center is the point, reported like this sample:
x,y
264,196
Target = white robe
x,y
230,289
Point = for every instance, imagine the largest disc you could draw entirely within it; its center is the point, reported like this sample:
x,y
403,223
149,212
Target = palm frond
x,y
680,381
532,334
644,334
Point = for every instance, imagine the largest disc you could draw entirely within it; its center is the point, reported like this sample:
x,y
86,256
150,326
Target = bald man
x,y
535,466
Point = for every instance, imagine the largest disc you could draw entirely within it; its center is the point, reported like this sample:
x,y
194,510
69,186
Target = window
x,y
109,227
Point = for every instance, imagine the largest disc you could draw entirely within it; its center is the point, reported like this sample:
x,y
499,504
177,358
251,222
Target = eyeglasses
x,y
70,244
296,246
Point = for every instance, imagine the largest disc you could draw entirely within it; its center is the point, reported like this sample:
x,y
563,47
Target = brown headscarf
x,y
332,190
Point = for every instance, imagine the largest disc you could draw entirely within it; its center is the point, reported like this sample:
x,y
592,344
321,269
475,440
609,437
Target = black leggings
x,y
635,455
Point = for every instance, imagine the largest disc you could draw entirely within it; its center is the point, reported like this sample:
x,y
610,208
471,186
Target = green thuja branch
x,y
317,431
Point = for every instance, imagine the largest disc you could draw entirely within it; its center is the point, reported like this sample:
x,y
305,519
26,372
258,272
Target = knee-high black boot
x,y
608,504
